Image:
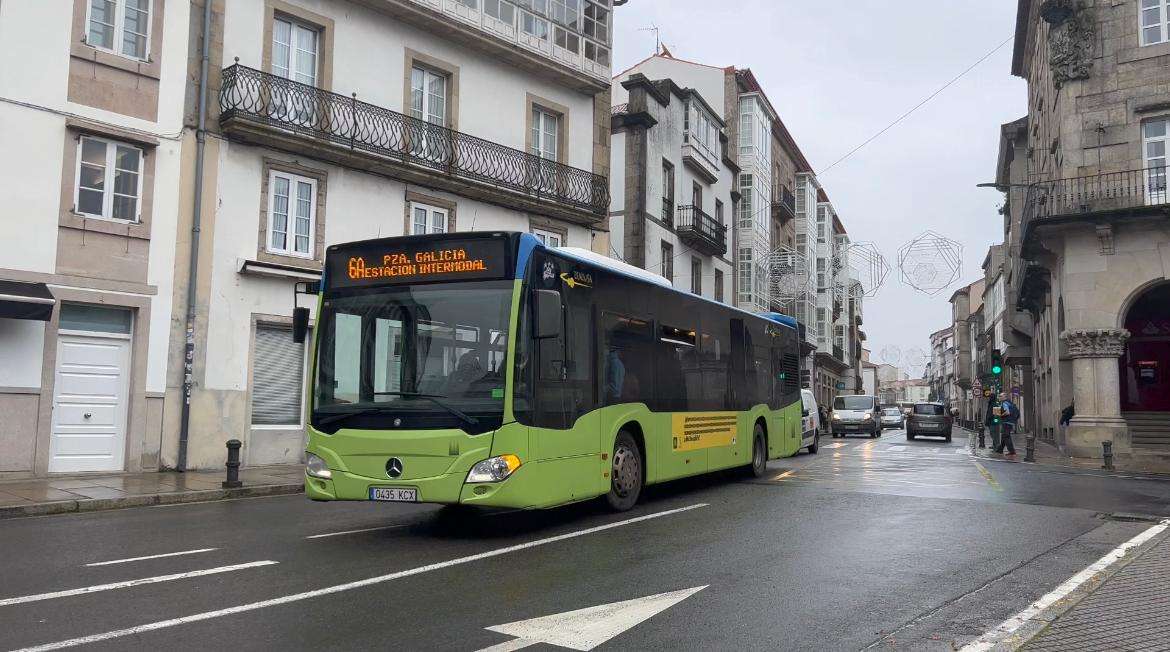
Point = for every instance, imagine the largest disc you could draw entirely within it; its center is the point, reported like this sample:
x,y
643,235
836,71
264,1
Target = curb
x,y
173,498
1037,624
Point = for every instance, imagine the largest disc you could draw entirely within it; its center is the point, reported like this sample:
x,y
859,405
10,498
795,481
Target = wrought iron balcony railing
x,y
251,95
701,231
1107,192
783,204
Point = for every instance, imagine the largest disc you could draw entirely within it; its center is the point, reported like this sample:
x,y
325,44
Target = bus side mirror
x,y
546,306
300,324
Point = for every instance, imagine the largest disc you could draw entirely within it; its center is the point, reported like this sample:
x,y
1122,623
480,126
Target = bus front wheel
x,y
759,452
626,473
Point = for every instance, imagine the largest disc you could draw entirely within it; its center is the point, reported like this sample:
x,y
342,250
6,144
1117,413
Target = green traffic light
x,y
997,370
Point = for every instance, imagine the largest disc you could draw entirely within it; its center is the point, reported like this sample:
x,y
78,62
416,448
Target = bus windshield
x,y
418,357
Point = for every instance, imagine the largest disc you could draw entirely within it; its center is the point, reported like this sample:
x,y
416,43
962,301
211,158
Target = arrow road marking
x,y
585,629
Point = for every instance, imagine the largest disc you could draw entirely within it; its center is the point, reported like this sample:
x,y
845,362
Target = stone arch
x,y
1144,366
1133,297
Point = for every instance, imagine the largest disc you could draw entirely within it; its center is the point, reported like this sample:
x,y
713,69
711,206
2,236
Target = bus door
x,y
567,423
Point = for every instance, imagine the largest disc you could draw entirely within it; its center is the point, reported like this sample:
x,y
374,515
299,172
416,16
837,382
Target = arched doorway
x,y
1145,365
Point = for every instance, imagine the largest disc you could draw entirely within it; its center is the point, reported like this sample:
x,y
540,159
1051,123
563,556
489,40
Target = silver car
x,y
856,414
892,417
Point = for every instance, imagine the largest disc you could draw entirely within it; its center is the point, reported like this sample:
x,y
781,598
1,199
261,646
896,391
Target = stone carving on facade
x,y
1071,34
1095,343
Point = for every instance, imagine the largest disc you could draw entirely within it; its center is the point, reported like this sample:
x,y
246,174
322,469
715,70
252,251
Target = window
x,y
696,276
567,13
501,10
596,53
668,261
548,238
1155,137
719,211
565,39
292,210
745,203
472,4
667,193
745,274
294,51
121,26
719,285
428,219
596,25
696,195
545,127
109,179
277,374
428,96
1155,21
534,25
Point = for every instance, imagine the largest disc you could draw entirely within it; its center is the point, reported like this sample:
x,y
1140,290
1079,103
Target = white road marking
x,y
165,554
1011,625
337,588
366,529
585,629
121,585
896,449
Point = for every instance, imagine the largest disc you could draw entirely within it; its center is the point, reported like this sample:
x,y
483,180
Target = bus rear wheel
x,y
625,473
759,452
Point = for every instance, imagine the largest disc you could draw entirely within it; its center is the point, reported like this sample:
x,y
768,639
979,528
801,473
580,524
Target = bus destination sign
x,y
418,262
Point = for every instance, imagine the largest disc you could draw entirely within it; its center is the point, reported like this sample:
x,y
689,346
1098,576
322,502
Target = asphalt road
x,y
871,544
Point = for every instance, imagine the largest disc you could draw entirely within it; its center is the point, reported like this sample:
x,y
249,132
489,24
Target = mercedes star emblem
x,y
394,467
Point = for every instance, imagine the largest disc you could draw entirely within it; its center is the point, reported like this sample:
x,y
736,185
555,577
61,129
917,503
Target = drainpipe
x,y
196,218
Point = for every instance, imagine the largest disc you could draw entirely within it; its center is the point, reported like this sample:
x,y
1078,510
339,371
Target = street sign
x,y
840,385
585,629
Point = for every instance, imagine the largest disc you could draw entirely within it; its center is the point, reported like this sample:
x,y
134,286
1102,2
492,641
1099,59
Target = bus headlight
x,y
316,467
493,469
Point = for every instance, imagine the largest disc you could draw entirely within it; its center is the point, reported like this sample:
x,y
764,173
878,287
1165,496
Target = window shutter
x,y
277,374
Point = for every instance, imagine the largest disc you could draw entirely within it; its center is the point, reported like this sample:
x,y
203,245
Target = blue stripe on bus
x,y
528,242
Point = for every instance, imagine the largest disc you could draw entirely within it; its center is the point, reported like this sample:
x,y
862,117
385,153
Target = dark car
x,y
931,419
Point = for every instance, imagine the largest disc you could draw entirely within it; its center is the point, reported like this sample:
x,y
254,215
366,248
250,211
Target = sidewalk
x,y
1050,455
90,493
1128,609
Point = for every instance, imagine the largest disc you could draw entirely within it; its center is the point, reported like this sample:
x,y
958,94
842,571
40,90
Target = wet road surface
x,y
870,544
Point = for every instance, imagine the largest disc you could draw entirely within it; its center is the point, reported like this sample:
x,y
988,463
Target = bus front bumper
x,y
448,488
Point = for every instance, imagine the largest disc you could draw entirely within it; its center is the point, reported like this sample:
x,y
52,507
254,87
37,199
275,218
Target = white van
x,y
810,422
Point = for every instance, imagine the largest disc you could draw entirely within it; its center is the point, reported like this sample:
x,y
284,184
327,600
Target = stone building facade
x,y
1087,239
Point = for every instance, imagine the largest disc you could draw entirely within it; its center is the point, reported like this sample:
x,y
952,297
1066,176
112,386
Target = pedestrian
x,y
989,421
1009,417
1068,413
823,413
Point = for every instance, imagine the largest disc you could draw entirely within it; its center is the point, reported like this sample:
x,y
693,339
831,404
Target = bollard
x,y
982,436
1107,455
1030,449
233,465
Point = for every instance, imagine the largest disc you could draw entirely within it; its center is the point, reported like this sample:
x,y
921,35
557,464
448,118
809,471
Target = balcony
x,y
700,231
783,204
1109,194
265,109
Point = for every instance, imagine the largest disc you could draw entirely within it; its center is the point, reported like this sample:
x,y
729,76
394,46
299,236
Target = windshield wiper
x,y
334,417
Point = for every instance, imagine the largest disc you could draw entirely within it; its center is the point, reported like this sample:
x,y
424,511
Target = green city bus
x,y
487,369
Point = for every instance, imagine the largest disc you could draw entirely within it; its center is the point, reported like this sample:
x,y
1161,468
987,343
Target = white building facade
x,y
671,187
91,161
340,121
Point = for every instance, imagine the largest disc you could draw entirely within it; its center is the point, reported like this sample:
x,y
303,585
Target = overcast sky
x,y
838,72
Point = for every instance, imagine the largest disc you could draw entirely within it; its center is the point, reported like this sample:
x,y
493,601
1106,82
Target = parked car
x,y
931,419
857,413
892,417
810,422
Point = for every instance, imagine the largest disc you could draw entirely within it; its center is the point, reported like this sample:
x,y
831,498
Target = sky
x,y
838,73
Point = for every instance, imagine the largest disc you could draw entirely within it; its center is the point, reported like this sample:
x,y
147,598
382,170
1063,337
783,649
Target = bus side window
x,y
676,357
626,369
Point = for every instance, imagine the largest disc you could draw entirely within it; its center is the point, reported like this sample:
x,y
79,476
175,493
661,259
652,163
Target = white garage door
x,y
89,402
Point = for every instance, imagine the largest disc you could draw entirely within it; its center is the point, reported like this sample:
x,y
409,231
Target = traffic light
x,y
996,362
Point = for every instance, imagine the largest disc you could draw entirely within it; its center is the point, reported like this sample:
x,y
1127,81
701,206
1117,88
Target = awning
x,y
19,300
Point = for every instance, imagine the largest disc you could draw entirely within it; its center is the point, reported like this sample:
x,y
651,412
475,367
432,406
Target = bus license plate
x,y
394,494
